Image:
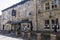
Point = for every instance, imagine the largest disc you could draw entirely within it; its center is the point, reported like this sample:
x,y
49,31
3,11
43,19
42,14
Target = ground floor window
x,y
26,27
47,26
54,23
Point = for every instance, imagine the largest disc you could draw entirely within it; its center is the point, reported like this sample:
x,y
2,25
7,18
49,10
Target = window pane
x,y
47,4
47,8
5,17
53,26
53,22
46,21
47,26
56,21
54,4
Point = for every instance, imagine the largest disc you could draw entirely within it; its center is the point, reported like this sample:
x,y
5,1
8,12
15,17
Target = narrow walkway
x,y
8,38
12,36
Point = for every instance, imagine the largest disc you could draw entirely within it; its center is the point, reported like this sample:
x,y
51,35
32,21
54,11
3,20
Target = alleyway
x,y
8,38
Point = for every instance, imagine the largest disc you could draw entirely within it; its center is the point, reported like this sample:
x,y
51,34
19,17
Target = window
x,y
13,12
46,21
56,21
27,4
47,6
54,4
27,13
5,17
47,24
55,24
27,9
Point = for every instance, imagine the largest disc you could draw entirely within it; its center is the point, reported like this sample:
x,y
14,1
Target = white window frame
x,y
46,6
54,4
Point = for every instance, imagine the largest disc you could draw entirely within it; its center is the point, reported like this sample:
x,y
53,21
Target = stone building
x,y
18,15
48,16
37,15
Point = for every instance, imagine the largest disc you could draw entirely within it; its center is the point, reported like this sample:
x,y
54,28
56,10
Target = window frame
x,y
47,24
47,7
54,4
55,23
14,12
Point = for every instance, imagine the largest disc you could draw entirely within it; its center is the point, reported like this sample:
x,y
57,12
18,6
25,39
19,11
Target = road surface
x,y
8,38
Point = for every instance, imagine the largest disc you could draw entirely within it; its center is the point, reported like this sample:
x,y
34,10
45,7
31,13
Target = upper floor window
x,y
27,4
27,13
13,12
5,17
47,6
54,4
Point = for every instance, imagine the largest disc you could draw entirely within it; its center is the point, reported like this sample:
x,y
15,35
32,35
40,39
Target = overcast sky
x,y
7,3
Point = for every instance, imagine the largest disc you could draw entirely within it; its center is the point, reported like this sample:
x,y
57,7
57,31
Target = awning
x,y
26,21
13,22
17,22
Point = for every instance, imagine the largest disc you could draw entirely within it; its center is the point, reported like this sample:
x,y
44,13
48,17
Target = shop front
x,y
26,28
15,26
21,26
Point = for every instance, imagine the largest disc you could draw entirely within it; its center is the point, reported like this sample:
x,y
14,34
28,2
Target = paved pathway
x,y
8,38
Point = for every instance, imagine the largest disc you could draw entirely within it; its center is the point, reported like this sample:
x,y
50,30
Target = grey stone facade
x,y
37,11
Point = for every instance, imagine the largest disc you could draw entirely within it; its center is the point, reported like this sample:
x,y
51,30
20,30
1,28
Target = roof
x,y
22,2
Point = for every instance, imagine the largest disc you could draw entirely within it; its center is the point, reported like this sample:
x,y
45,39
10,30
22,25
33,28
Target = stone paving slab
x,y
14,36
8,38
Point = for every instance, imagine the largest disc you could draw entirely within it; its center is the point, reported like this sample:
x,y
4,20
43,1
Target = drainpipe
x,y
50,22
36,17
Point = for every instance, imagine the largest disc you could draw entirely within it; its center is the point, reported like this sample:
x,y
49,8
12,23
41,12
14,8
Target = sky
x,y
7,3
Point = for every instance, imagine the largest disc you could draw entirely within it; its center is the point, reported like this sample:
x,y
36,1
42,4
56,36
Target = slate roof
x,y
22,2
